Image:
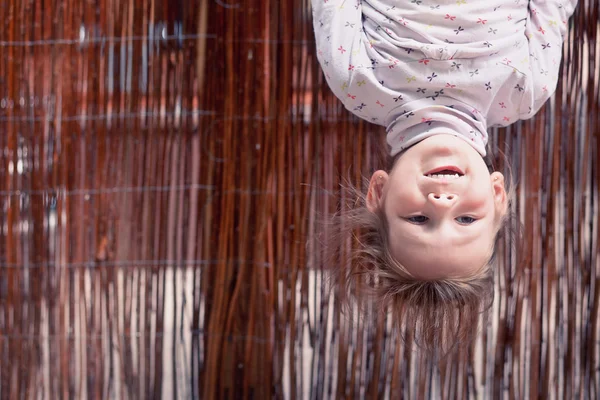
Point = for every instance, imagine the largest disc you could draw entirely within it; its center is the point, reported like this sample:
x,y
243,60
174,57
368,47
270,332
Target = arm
x,y
546,28
337,25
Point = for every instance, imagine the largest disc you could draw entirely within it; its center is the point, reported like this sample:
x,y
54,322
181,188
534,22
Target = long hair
x,y
441,315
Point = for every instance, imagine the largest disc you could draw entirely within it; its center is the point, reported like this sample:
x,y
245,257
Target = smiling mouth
x,y
445,172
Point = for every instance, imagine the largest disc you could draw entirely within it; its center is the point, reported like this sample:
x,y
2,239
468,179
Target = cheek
x,y
480,192
479,204
402,199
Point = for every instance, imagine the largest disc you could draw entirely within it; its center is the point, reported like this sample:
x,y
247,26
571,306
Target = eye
x,y
465,220
417,219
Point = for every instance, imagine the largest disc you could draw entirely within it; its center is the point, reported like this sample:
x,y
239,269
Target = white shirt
x,y
423,67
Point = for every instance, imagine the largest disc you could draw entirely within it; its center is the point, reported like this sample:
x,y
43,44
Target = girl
x,y
436,74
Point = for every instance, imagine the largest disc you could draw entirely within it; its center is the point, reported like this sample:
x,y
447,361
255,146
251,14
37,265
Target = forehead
x,y
433,256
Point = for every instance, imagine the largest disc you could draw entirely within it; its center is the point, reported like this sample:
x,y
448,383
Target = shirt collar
x,y
420,119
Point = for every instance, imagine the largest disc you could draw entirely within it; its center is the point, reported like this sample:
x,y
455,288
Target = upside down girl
x,y
436,74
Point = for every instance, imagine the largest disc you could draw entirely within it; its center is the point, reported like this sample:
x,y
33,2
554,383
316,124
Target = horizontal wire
x,y
192,332
142,189
132,264
111,190
184,113
154,38
110,116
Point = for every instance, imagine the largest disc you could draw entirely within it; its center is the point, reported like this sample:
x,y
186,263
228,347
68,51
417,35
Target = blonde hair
x,y
441,315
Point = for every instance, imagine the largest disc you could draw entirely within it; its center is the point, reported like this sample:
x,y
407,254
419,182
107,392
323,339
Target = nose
x,y
442,199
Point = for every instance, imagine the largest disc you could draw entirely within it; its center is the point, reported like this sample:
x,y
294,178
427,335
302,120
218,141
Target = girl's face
x,y
442,206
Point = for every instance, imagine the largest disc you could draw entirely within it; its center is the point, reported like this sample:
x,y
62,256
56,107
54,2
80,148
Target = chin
x,y
448,144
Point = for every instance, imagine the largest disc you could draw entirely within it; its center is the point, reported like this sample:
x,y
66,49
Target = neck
x,y
420,119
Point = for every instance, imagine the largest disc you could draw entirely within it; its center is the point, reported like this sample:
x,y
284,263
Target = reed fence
x,y
164,169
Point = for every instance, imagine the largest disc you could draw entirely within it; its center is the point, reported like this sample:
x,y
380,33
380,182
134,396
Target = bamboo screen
x,y
165,166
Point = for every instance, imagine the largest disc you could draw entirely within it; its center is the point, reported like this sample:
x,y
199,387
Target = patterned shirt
x,y
423,67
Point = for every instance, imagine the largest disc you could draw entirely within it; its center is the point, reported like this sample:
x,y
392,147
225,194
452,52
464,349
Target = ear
x,y
500,196
375,194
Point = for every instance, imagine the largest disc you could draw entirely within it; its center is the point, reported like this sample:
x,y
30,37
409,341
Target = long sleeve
x,y
338,27
546,28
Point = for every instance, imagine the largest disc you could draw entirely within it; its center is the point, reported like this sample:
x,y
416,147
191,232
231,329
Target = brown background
x,y
164,169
